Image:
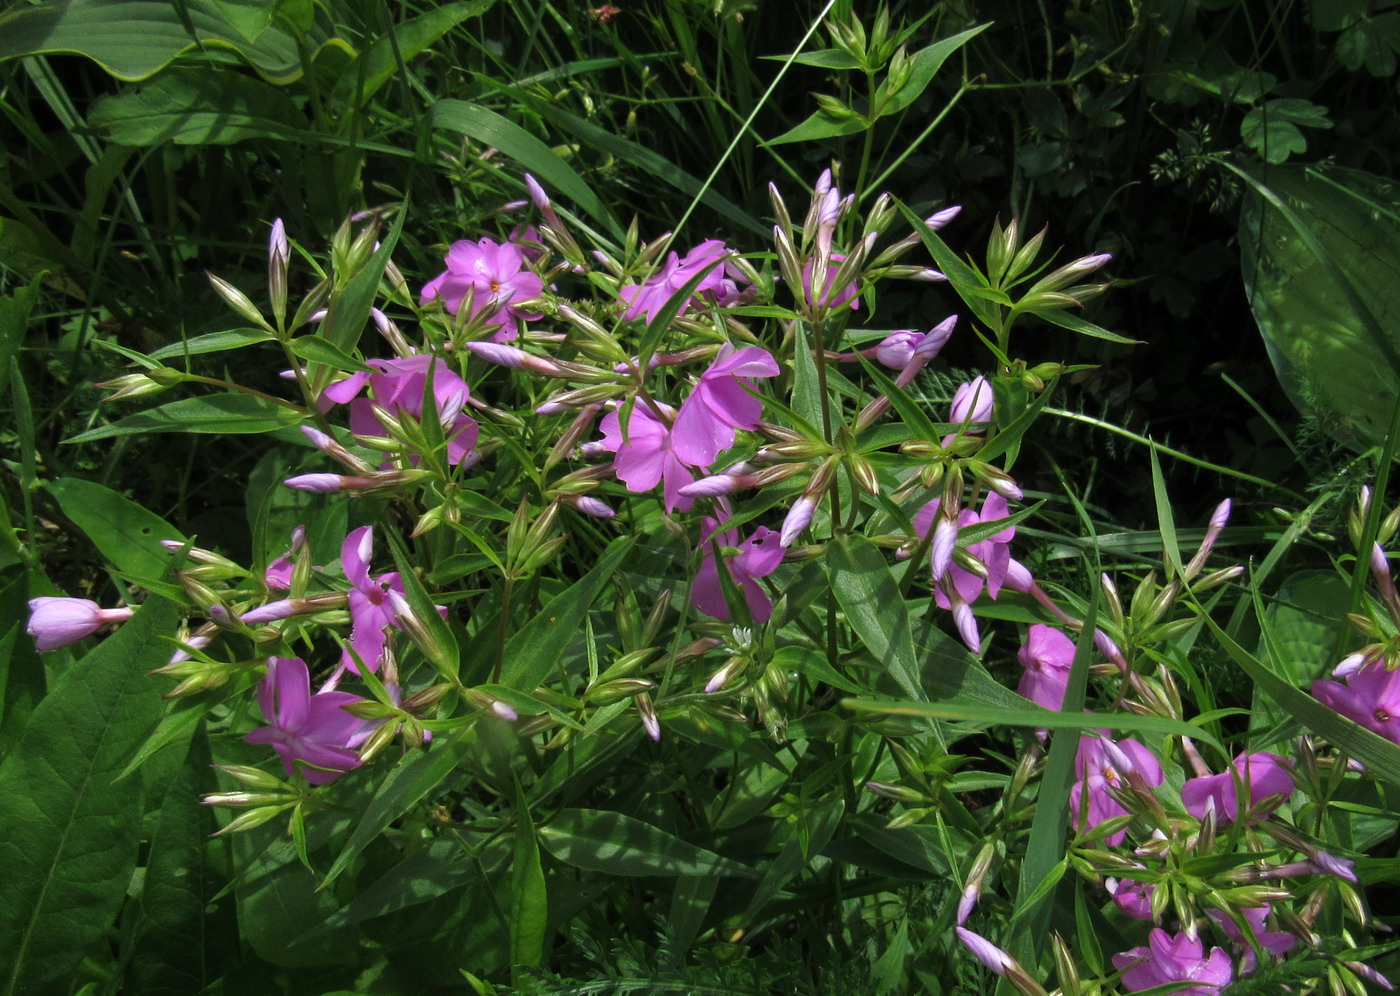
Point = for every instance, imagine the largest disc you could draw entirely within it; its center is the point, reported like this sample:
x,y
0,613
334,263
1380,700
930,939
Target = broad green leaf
x,y
529,903
380,61
1378,754
1272,128
1320,252
869,595
134,39
1304,623
183,934
489,128
22,679
69,835
925,64
210,413
531,652
624,845
124,532
823,124
213,342
275,911
197,107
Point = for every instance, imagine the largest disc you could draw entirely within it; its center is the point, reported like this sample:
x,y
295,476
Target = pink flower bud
x,y
504,711
945,540
321,484
972,403
537,194
898,348
317,438
798,518
509,356
936,338
56,622
994,958
272,611
941,218
591,506
718,484
966,623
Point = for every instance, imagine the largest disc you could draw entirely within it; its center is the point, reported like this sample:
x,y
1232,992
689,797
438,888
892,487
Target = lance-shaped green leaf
x,y
617,844
529,903
68,834
197,107
531,652
213,413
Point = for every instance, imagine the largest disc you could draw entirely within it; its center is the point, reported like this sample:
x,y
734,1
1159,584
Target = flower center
x,y
1382,716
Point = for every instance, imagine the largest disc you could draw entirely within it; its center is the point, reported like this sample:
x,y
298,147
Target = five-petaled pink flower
x,y
1175,959
1371,697
1276,942
314,730
993,551
647,456
371,609
397,387
758,557
495,276
1265,774
719,286
1046,656
720,404
1102,765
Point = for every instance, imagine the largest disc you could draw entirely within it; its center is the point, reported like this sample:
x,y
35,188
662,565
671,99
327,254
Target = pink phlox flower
x,y
1266,775
312,729
647,456
758,557
1179,958
1276,942
719,286
993,551
495,275
527,239
720,404
830,297
397,387
1133,898
1371,697
1099,771
55,621
371,609
1046,656
278,574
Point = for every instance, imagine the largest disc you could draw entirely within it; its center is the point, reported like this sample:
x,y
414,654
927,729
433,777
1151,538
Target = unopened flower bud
x,y
517,359
237,300
797,519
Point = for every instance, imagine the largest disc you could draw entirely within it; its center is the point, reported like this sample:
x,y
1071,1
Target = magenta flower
x,y
1371,697
1169,959
398,389
719,285
279,573
1266,775
647,456
1103,765
721,404
1133,898
495,276
314,730
830,298
994,552
758,557
371,609
57,622
1046,656
1276,942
